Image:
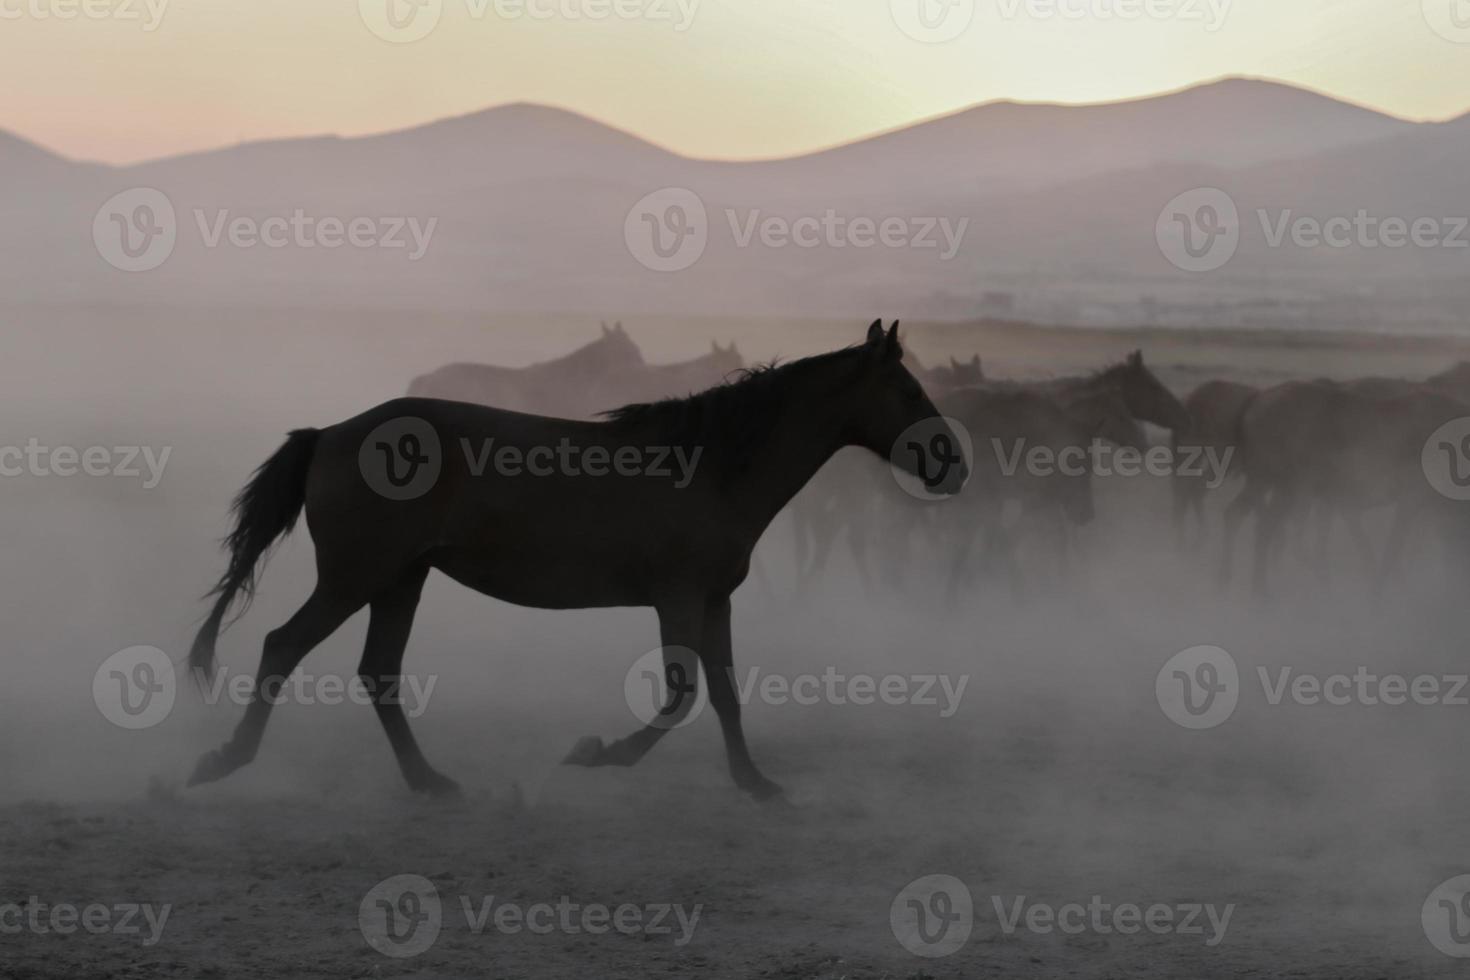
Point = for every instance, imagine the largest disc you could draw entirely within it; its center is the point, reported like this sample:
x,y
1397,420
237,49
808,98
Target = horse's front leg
x,y
717,654
681,622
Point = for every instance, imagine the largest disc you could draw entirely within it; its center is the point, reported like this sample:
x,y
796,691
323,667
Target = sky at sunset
x,y
125,80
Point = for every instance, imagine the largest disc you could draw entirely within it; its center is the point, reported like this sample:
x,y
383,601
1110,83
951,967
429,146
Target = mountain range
x,y
1052,213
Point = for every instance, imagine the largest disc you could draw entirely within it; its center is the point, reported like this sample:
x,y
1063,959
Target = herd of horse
x,y
812,438
1304,457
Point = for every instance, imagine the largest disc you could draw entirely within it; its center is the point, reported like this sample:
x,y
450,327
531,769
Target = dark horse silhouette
x,y
558,540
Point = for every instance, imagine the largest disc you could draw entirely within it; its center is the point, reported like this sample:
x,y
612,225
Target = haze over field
x,y
394,266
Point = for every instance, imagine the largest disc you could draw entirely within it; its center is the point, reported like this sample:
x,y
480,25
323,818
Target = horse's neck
x,y
803,438
588,355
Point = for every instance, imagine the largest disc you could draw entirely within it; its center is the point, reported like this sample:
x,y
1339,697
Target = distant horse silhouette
x,y
943,377
558,540
654,382
1107,403
1007,423
1343,448
1147,398
1215,409
566,387
843,497
1453,381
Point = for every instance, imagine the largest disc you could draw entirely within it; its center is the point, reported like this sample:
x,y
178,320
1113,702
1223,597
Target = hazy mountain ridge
x,y
1057,205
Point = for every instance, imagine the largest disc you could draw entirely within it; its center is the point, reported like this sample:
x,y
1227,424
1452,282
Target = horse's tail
x,y
265,510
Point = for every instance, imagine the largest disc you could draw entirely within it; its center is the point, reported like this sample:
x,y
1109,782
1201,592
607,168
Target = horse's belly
x,y
548,574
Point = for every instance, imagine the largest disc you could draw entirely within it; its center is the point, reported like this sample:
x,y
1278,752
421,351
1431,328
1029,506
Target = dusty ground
x,y
1058,778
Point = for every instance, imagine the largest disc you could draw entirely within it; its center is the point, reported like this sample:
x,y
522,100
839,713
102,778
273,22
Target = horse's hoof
x,y
587,752
766,791
211,766
438,786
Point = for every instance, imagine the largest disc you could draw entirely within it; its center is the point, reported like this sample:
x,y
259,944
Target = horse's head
x,y
963,374
615,349
1146,395
1104,414
890,404
724,360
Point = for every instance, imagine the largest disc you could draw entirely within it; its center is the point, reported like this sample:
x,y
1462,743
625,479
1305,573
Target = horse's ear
x,y
875,331
892,349
618,327
605,329
953,364
1135,359
714,346
975,360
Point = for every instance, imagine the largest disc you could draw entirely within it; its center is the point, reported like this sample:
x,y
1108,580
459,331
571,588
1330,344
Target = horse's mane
x,y
732,416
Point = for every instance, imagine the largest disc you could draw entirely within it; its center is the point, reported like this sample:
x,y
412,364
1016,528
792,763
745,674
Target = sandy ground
x,y
1057,778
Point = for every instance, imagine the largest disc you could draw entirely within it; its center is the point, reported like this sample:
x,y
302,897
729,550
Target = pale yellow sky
x,y
725,78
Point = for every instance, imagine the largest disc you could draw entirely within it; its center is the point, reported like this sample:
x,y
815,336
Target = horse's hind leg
x,y
681,624
1246,501
717,656
381,669
284,649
